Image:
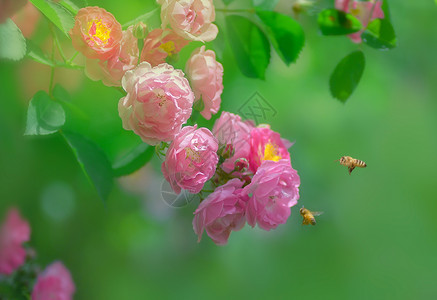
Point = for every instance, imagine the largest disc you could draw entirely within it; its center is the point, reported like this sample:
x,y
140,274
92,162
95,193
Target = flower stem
x,y
52,70
72,58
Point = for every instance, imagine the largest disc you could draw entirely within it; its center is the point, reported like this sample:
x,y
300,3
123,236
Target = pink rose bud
x,y
241,165
230,130
9,7
206,77
160,44
273,190
191,159
140,31
221,212
54,283
111,71
265,144
191,19
14,232
361,10
226,151
158,101
96,33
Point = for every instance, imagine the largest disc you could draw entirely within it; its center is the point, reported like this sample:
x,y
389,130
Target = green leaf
x,y
93,161
227,2
285,34
336,22
12,42
249,45
380,35
133,160
347,75
73,5
265,4
34,52
56,13
44,116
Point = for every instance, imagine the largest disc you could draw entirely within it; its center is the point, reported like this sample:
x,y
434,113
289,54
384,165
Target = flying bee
x,y
351,163
308,216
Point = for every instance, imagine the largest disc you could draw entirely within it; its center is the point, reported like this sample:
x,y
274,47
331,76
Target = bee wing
x,y
317,213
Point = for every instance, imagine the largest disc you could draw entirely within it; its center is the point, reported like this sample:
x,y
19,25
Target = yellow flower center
x,y
168,47
271,152
99,32
192,155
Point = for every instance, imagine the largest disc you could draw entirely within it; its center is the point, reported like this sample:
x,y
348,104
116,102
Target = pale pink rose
x,y
191,159
9,7
191,19
230,130
160,44
206,77
158,101
273,190
14,232
111,71
361,10
265,144
55,283
26,19
221,212
96,33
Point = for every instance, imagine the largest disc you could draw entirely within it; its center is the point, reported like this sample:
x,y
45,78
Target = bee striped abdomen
x,y
360,163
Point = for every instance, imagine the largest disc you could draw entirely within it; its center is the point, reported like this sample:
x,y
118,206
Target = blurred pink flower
x,y
9,7
191,159
26,19
273,190
206,77
221,212
191,19
112,70
158,101
265,144
161,43
13,233
361,10
55,283
230,130
96,33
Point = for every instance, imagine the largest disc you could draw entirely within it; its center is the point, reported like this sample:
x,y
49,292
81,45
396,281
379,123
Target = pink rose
x,y
265,144
273,190
54,283
361,10
206,78
161,43
191,159
9,7
191,19
112,70
230,130
221,212
96,33
13,233
158,101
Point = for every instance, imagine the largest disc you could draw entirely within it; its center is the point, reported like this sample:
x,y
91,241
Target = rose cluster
x,y
54,282
248,167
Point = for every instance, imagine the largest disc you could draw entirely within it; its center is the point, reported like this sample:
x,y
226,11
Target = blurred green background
x,y
377,238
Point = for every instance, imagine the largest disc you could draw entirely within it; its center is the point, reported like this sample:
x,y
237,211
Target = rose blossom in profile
x,y
221,212
361,10
13,233
191,19
206,77
158,101
273,190
9,7
265,144
96,33
160,44
112,70
55,283
191,159
230,130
